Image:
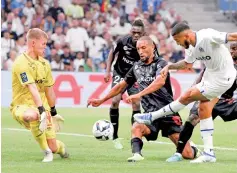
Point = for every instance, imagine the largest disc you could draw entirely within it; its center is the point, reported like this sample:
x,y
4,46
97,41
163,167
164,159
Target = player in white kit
x,y
206,45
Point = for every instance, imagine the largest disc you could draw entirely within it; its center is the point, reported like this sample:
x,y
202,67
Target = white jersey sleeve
x,y
218,37
189,55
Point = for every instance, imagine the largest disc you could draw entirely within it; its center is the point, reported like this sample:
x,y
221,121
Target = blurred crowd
x,y
82,32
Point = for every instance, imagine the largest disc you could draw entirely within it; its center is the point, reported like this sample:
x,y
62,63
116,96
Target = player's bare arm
x,y
179,65
154,86
117,89
175,66
232,36
38,102
35,94
50,95
109,64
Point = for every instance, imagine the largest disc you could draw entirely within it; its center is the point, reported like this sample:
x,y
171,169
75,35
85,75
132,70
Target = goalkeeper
x,y
33,104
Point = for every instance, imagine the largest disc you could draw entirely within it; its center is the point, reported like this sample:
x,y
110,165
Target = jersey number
x,y
117,79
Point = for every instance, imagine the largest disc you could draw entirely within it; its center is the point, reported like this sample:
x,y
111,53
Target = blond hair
x,y
36,33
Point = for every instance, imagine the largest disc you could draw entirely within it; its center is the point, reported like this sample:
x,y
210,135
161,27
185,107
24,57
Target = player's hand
x,y
43,121
132,98
58,121
107,77
164,71
94,102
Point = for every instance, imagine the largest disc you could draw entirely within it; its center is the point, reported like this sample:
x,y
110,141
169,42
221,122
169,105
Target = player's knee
x,y
136,105
115,102
194,119
30,116
136,128
187,98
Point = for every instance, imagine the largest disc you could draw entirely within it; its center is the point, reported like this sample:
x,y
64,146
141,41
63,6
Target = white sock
x,y
171,108
207,129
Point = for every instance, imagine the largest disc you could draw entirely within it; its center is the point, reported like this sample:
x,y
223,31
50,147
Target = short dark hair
x,y
146,38
139,23
180,27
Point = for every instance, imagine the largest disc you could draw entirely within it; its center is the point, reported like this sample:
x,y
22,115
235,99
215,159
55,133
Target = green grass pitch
x,y
21,154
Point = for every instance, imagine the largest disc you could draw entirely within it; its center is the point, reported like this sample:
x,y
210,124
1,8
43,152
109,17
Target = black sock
x,y
133,113
114,118
184,136
137,145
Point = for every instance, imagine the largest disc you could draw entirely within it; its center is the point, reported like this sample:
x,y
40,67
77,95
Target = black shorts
x,y
131,89
168,125
228,112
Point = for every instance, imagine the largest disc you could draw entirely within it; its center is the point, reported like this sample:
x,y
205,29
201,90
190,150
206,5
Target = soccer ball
x,y
103,130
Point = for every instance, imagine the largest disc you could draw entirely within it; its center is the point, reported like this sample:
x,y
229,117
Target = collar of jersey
x,y
32,60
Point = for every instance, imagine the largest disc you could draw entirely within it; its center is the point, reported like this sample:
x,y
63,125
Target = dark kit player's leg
x,y
135,104
138,131
114,111
186,134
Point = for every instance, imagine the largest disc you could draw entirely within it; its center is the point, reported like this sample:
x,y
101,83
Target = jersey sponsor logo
x,y
204,58
146,79
126,48
128,61
40,81
24,77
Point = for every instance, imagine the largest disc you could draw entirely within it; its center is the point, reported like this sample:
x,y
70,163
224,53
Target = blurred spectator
x,y
11,58
75,10
114,19
77,37
122,29
55,10
95,49
49,23
17,25
6,44
79,61
13,34
129,6
100,25
81,68
67,59
39,17
57,64
61,21
29,12
58,36
20,45
88,18
102,67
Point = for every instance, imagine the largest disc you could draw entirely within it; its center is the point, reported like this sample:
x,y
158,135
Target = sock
x,y
114,118
207,129
184,136
137,145
133,113
61,147
171,108
194,151
39,136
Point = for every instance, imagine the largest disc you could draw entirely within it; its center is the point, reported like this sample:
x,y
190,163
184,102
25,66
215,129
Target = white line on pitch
x,y
90,136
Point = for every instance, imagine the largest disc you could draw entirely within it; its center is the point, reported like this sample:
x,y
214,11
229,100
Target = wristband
x,y
41,109
53,111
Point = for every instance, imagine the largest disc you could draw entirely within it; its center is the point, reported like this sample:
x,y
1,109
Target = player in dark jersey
x,y
146,73
126,52
226,108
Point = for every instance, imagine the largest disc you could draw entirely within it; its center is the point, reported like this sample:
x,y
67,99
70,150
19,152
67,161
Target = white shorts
x,y
216,86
